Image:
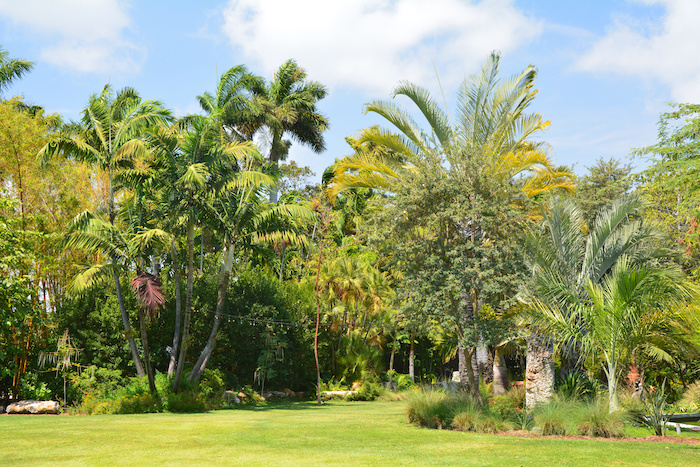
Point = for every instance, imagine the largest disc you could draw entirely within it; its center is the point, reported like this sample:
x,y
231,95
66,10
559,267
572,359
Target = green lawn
x,y
339,433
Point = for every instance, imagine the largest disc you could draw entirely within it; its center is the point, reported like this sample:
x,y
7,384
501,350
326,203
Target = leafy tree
x,y
670,180
605,181
452,230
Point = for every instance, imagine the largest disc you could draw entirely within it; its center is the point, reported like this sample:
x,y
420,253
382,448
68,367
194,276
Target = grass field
x,y
340,433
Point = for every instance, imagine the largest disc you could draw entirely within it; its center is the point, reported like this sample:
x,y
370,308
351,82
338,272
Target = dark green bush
x,y
187,402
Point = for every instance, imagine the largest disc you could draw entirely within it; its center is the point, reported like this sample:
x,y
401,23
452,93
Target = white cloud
x,y
86,35
372,44
664,52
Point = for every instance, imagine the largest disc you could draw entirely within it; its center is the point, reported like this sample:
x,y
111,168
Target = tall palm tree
x,y
108,136
233,104
286,107
11,69
566,258
491,118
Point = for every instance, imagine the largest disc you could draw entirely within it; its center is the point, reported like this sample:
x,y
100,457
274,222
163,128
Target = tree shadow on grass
x,y
281,405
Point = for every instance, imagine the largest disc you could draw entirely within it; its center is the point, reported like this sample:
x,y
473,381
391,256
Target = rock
x,y
231,398
33,407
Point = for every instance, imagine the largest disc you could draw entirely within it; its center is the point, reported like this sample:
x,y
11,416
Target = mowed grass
x,y
339,433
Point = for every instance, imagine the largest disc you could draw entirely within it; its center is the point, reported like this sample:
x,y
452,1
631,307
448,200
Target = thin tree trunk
x,y
127,326
411,360
318,321
146,352
500,375
284,254
178,306
206,353
188,306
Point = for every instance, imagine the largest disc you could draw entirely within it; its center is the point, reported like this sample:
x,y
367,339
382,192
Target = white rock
x,y
33,407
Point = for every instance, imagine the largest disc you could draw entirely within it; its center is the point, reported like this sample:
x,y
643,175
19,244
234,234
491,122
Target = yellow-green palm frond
x,y
90,277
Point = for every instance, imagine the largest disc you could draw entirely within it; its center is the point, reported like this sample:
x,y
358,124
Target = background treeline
x,y
134,243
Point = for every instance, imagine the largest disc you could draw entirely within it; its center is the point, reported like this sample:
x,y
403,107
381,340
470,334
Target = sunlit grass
x,y
339,433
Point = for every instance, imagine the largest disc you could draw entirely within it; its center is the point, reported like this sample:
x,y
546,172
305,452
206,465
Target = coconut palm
x,y
565,258
630,309
491,119
11,69
108,136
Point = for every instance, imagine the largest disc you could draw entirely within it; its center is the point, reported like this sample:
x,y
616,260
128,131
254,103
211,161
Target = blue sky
x,y
606,68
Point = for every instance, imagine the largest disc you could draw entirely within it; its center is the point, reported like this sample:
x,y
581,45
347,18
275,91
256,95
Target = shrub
x,y
493,423
690,401
596,420
187,402
510,405
31,388
576,385
139,403
368,391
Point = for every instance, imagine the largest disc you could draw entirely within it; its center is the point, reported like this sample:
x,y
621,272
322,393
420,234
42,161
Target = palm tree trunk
x,y
127,326
146,352
611,373
188,305
178,306
206,353
539,371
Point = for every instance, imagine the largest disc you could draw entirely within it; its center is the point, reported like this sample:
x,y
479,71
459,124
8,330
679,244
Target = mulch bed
x,y
646,439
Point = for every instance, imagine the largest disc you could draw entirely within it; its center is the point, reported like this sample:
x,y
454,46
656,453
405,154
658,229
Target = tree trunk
x,y
204,357
146,352
318,320
127,326
539,371
484,362
611,373
500,375
188,306
178,305
412,359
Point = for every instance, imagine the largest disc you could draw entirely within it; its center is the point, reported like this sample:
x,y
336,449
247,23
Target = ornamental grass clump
x,y
596,420
557,417
436,409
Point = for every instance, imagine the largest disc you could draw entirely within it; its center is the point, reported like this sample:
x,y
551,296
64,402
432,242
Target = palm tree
x,y
244,218
287,108
632,308
11,69
95,234
108,136
565,258
233,105
491,119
